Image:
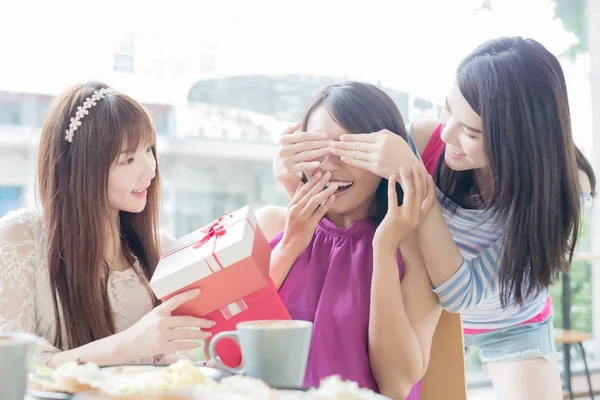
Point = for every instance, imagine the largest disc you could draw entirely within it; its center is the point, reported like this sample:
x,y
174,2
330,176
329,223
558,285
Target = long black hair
x,y
518,89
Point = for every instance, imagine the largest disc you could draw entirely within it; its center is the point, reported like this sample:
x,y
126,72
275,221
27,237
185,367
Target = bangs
x,y
135,128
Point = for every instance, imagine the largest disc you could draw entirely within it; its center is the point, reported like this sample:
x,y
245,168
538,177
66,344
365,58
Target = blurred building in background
x,y
217,134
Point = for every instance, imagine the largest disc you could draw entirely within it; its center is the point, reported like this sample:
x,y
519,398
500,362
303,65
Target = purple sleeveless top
x,y
330,285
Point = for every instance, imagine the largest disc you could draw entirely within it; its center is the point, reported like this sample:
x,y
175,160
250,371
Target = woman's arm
x,y
394,350
402,320
459,283
421,304
107,351
442,257
271,220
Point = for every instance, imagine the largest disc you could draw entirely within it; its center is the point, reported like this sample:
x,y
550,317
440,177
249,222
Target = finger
x,y
309,155
360,137
317,201
178,300
305,166
367,159
205,351
354,154
419,186
315,185
291,129
305,187
174,346
317,188
306,145
356,151
189,321
407,187
186,334
320,213
424,179
299,137
354,146
298,187
392,195
366,165
431,195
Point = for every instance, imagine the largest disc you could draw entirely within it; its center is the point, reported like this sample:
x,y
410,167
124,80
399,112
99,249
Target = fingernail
x,y
323,134
318,175
212,323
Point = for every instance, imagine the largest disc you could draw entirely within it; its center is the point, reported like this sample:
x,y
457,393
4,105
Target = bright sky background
x,y
411,45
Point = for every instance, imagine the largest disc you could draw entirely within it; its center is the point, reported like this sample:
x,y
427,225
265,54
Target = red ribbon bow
x,y
216,229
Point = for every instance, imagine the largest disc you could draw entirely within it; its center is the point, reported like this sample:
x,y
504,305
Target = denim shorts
x,y
515,343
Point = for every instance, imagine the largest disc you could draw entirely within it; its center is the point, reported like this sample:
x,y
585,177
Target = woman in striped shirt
x,y
510,183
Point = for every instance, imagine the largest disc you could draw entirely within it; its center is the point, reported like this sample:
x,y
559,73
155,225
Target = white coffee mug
x,y
16,361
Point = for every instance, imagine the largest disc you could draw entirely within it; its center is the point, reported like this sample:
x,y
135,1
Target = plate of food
x,y
71,379
241,387
181,380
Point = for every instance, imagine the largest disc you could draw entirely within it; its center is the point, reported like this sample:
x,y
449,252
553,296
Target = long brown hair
x,y
73,180
359,108
518,89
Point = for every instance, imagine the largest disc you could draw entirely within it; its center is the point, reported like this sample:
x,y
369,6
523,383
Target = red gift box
x,y
228,260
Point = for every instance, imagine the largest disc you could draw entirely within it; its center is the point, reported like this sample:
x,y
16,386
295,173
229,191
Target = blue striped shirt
x,y
474,289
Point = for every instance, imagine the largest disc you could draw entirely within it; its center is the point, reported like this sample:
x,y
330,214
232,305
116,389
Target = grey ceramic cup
x,y
273,351
16,360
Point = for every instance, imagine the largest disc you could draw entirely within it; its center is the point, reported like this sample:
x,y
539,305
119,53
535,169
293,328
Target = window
x,y
423,104
10,113
401,100
123,61
41,111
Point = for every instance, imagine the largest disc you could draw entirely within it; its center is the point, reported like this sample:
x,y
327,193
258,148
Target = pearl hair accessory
x,y
83,111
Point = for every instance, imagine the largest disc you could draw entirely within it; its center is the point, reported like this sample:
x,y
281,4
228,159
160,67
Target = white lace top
x,y
25,296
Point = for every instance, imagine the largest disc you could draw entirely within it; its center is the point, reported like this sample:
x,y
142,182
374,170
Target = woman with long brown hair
x,y
76,272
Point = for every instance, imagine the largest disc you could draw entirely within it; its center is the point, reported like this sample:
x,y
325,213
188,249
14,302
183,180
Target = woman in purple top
x,y
336,254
